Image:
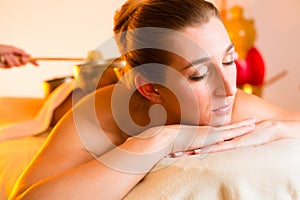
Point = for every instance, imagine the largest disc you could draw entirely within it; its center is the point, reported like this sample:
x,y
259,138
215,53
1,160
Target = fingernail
x,y
205,150
197,151
178,154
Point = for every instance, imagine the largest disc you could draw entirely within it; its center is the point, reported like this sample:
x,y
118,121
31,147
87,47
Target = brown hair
x,y
168,14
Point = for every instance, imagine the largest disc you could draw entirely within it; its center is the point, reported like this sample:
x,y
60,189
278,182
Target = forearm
x,y
111,176
90,181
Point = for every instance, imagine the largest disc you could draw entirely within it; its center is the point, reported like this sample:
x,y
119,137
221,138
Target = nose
x,y
226,84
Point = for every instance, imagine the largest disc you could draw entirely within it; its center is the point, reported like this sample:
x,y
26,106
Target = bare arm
x,y
68,165
64,169
114,174
96,179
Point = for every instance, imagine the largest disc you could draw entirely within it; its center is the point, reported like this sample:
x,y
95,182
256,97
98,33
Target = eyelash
x,y
198,78
229,63
232,56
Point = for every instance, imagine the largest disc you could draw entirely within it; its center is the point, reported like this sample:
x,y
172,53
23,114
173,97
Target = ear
x,y
147,89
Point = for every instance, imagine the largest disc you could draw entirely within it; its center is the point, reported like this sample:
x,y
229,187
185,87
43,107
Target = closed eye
x,y
229,58
228,63
197,78
200,73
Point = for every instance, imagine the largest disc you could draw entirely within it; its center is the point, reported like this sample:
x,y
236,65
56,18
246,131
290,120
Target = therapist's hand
x,y
11,56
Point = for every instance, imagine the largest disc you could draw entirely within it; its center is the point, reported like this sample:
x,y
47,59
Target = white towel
x,y
270,171
42,120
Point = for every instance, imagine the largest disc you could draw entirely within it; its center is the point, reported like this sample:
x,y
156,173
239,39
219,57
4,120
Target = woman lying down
x,y
178,95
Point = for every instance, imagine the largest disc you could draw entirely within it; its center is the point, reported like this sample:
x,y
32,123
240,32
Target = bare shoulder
x,y
105,116
247,105
96,111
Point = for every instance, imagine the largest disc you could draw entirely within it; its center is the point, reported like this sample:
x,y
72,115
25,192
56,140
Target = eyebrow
x,y
231,46
205,59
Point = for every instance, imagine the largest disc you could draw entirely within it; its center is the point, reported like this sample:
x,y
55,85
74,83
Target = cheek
x,y
232,73
190,105
202,93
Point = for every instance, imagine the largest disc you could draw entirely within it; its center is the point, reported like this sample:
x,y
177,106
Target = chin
x,y
222,120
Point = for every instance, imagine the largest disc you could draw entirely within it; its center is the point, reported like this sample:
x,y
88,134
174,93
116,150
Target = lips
x,y
223,109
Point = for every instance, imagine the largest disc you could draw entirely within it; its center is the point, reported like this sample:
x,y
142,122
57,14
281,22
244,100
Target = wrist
x,y
139,154
150,141
124,159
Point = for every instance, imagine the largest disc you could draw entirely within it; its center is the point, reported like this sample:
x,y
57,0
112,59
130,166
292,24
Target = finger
x,y
237,132
34,62
27,58
193,137
246,122
215,135
180,154
10,60
249,140
2,61
24,60
219,147
18,51
2,65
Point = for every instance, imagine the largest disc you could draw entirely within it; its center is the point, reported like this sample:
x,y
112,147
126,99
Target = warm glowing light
x,y
251,89
248,88
75,71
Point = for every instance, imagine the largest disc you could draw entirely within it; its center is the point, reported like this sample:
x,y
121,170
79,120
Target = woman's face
x,y
208,77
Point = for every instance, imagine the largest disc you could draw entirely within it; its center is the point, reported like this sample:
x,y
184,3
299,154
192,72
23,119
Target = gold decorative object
x,y
249,63
241,31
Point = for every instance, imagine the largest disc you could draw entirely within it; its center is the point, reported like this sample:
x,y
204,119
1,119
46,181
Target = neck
x,y
139,110
146,114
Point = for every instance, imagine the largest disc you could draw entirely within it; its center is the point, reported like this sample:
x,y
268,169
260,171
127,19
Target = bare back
x,y
76,139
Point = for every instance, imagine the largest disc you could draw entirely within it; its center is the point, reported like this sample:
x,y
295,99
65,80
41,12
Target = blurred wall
x,y
51,28
71,28
278,28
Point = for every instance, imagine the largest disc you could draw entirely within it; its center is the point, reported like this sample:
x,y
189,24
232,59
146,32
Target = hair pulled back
x,y
168,14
